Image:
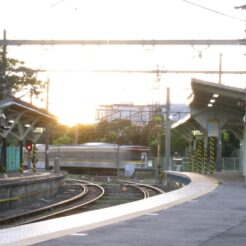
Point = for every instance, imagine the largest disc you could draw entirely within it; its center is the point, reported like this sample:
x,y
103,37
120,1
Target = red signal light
x,y
28,146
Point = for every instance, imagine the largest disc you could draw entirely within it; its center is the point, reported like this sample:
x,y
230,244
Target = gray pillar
x,y
46,150
56,165
118,161
4,156
218,151
21,156
244,152
241,155
244,143
168,132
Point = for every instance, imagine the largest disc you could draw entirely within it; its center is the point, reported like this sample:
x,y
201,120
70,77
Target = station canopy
x,y
213,101
226,97
22,120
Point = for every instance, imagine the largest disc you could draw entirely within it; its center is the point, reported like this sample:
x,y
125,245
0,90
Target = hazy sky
x,y
75,94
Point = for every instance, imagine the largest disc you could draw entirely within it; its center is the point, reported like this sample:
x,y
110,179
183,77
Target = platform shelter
x,y
20,123
213,107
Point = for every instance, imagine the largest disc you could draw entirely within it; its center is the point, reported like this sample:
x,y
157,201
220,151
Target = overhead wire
x,y
214,11
56,3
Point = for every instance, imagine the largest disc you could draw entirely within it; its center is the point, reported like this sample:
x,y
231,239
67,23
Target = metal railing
x,y
226,164
231,164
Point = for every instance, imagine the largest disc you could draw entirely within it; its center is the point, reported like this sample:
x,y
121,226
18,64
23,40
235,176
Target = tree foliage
x,y
124,132
20,78
229,143
63,140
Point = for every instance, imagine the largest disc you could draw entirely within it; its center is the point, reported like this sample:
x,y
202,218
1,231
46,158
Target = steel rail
x,y
63,211
145,191
143,188
35,211
84,192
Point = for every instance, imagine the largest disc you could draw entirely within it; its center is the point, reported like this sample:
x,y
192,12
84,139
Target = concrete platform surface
x,y
74,224
215,219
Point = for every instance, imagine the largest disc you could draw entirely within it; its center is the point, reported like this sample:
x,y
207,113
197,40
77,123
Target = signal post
x,y
28,147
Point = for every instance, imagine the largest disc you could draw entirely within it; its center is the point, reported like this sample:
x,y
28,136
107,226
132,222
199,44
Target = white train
x,y
96,155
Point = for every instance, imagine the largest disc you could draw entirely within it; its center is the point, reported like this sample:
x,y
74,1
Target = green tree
x,y
150,135
20,78
178,143
61,134
229,143
63,140
86,133
153,134
111,132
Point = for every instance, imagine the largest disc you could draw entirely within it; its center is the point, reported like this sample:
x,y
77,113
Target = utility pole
x,y
158,161
220,68
47,129
4,82
168,131
218,150
243,7
4,95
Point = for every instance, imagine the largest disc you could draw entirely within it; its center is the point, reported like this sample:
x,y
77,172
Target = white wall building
x,y
139,114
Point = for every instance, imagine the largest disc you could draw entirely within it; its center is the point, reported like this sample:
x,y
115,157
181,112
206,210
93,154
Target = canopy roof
x,y
226,97
21,119
225,101
13,106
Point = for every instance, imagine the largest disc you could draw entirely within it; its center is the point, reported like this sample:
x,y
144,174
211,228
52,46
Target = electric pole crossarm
x,y
125,42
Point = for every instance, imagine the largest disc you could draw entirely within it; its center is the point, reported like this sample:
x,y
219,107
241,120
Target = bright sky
x,y
74,94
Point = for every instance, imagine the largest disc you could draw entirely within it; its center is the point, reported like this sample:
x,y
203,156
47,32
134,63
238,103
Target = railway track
x,y
146,190
85,193
86,196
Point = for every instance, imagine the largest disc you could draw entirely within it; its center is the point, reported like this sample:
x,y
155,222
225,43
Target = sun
x,y
71,99
73,117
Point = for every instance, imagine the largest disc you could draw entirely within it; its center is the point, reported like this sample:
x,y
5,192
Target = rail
x,y
147,190
39,214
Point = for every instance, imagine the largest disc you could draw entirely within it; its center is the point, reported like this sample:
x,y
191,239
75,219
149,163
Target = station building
x,y
139,114
20,123
23,124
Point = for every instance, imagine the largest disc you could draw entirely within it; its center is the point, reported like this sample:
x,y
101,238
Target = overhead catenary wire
x,y
214,11
56,3
144,71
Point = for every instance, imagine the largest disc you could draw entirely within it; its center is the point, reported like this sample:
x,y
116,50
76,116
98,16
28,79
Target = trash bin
x,y
177,162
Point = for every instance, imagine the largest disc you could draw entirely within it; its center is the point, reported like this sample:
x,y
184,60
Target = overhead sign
x,y
213,128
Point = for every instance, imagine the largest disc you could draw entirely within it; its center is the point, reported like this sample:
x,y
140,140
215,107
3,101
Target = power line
x,y
214,11
144,71
56,3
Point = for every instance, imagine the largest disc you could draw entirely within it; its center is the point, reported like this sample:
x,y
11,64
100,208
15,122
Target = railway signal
x,y
28,146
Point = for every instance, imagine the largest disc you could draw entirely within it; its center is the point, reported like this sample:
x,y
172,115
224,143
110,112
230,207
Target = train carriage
x,y
97,155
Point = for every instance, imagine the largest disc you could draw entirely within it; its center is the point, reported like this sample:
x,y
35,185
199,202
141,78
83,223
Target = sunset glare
x,y
75,92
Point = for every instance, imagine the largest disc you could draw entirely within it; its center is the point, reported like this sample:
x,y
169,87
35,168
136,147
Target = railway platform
x,y
206,212
22,189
